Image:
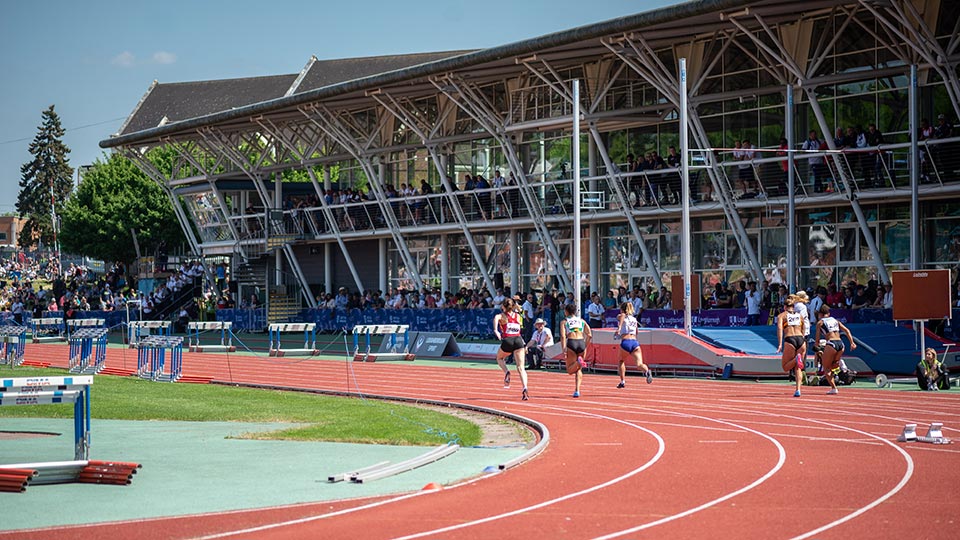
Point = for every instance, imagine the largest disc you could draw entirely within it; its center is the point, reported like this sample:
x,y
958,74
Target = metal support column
x,y
616,187
685,236
914,172
382,256
444,263
332,225
328,283
854,203
575,266
791,195
594,257
514,261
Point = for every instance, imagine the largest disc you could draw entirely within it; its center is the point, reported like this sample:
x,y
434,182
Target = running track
x,y
675,459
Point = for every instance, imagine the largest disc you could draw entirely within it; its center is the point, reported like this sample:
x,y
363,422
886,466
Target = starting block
x,y
137,330
88,350
226,336
934,434
152,358
309,339
48,329
391,350
14,340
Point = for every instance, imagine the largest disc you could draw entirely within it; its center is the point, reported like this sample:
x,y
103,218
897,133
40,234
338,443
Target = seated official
x,y
541,339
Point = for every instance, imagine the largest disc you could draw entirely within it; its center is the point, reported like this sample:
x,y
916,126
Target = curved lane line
x,y
661,446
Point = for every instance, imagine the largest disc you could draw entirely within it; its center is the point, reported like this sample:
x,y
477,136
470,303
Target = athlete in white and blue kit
x,y
832,345
629,346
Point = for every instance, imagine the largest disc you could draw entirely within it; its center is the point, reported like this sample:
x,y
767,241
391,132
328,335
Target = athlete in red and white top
x,y
507,326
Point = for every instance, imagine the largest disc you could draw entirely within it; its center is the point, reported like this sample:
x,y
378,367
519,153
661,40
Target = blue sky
x,y
95,59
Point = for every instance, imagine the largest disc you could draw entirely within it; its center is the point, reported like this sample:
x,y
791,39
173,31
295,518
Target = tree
x,y
113,198
46,179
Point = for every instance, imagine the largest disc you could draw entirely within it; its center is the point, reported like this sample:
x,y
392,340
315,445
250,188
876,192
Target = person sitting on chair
x,y
541,339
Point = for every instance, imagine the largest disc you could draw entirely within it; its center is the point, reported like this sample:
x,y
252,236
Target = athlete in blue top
x,y
629,346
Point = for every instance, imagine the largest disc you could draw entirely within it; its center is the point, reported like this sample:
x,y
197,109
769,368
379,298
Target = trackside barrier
x,y
14,339
88,350
395,351
137,330
76,324
47,390
47,329
152,354
225,328
309,339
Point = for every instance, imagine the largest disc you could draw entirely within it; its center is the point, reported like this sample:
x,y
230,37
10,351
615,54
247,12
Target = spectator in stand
x,y
816,163
528,310
818,300
722,297
748,178
875,165
860,299
609,302
595,312
834,297
752,300
665,300
638,301
498,298
541,339
739,297
885,299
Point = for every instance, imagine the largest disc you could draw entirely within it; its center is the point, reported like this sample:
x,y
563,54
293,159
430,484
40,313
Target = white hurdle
x,y
395,351
47,329
309,339
76,324
137,330
194,329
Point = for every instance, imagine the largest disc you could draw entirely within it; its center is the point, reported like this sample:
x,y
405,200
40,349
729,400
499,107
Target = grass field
x,y
328,418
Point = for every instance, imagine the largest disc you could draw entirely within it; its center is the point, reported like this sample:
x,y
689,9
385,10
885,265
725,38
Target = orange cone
x,y
432,486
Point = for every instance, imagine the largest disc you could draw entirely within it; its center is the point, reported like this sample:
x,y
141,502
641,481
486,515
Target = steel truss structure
x,y
510,96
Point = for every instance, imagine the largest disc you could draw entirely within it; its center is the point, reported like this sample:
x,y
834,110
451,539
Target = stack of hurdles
x,y
16,478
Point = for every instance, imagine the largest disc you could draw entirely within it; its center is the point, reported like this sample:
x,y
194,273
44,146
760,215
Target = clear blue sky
x,y
95,59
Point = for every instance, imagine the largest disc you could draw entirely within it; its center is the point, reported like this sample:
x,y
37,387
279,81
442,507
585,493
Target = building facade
x,y
354,172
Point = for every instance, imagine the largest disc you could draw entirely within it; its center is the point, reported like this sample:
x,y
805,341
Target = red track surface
x,y
676,459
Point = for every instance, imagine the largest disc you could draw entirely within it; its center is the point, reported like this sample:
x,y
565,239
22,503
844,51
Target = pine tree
x,y
45,179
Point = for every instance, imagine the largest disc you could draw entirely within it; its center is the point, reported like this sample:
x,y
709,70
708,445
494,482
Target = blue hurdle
x,y
47,390
88,344
47,329
395,351
137,330
152,358
194,329
14,339
309,339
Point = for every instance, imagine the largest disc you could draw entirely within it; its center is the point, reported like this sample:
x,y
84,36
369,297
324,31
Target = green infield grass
x,y
326,418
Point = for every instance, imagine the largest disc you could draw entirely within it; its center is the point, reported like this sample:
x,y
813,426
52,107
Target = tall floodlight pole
x,y
576,191
685,190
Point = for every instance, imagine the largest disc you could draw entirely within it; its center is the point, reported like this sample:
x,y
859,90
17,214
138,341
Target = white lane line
x,y
903,481
660,449
717,442
780,461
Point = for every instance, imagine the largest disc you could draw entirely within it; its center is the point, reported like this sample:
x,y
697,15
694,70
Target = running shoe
x,y
832,392
576,394
796,394
622,384
649,376
581,362
506,380
525,396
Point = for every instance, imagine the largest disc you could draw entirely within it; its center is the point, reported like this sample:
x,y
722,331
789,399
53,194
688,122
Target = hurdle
x,y
75,324
152,358
136,330
47,390
309,339
194,329
88,344
394,351
47,329
14,339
